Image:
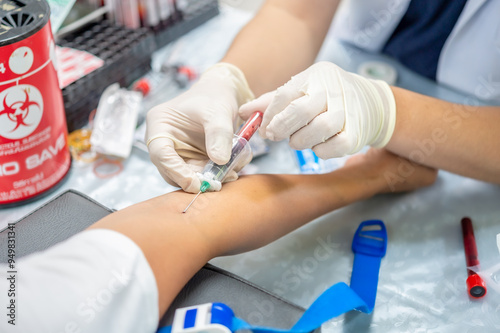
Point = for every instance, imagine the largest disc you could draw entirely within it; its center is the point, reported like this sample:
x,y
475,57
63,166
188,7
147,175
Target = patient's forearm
x,y
246,214
256,210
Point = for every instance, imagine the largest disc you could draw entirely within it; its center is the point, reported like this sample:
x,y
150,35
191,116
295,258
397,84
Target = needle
x,y
191,202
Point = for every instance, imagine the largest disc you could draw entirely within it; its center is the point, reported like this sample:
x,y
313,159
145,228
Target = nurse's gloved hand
x,y
334,112
183,133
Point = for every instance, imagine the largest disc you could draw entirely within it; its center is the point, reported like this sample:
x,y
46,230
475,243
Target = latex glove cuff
x,y
389,117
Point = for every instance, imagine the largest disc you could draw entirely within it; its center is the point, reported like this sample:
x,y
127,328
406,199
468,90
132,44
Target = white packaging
x,y
115,121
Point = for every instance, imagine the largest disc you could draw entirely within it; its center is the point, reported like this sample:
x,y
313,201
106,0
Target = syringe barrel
x,y
240,151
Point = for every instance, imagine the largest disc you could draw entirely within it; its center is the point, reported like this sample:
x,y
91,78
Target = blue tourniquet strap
x,y
364,279
369,245
336,300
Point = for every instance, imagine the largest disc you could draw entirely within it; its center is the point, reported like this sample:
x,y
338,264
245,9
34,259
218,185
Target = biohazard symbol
x,y
18,111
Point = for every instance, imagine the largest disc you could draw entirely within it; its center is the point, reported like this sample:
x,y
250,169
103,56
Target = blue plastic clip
x,y
207,318
370,239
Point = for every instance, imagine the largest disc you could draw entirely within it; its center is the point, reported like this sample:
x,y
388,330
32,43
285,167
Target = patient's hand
x,y
395,173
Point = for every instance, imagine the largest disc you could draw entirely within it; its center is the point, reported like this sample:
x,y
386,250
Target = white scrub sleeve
x,y
96,281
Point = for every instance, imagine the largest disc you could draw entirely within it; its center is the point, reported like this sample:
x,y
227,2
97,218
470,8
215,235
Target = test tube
x,y
475,284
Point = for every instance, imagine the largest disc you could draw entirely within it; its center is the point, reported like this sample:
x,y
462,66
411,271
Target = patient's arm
x,y
245,215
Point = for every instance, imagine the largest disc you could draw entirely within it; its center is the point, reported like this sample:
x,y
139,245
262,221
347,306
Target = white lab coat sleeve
x,y
96,281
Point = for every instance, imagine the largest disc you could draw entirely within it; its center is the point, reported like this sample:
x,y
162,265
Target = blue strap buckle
x,y
370,239
207,318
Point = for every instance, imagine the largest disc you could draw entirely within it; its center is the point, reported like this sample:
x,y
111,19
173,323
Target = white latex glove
x,y
334,112
181,132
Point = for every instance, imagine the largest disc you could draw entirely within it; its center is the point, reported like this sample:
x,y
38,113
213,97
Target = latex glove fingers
x,y
296,115
259,104
172,167
296,104
338,146
283,96
320,130
218,137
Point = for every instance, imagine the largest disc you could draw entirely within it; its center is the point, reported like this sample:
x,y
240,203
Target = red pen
x,y
475,284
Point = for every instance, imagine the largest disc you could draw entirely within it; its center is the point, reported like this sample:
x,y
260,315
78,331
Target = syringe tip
x,y
204,186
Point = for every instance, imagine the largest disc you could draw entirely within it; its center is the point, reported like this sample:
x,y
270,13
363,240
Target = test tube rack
x,y
126,53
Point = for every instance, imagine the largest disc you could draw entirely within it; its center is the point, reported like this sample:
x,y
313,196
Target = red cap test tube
x,y
251,125
475,284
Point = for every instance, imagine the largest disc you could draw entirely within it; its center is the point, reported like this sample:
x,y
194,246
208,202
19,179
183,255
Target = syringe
x,y
213,174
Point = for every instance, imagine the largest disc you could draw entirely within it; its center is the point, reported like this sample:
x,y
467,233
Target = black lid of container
x,y
20,19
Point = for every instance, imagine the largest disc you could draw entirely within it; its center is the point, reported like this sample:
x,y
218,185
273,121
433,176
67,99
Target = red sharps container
x,y
34,154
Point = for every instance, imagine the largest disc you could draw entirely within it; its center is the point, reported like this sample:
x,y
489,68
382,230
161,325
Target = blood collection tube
x,y
250,127
475,284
